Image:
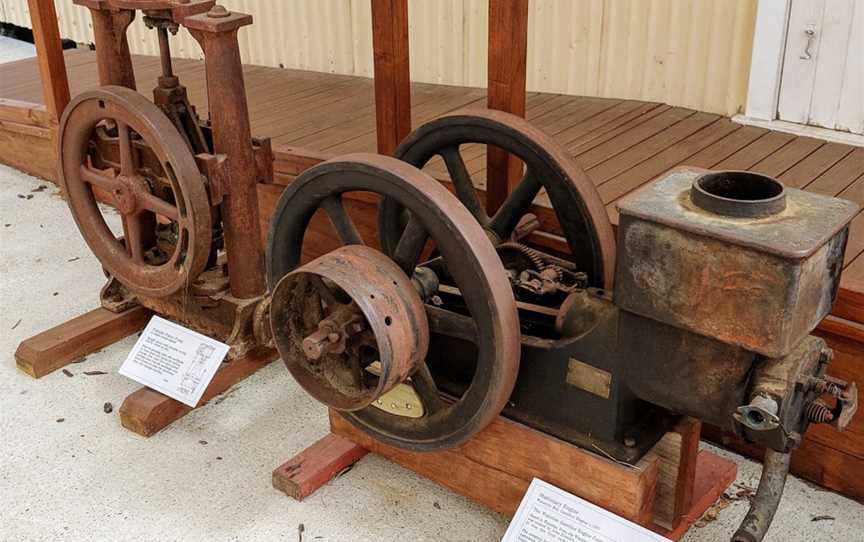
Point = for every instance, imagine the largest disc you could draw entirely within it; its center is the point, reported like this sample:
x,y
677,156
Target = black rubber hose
x,y
774,470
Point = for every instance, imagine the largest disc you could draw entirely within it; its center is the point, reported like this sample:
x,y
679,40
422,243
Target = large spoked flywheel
x,y
118,146
353,325
576,204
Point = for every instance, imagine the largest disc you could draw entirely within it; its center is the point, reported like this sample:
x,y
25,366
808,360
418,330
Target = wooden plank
x,y
146,411
726,147
312,468
28,148
57,347
817,163
640,172
840,175
630,136
496,466
753,153
714,475
27,113
662,162
392,82
507,61
787,156
49,51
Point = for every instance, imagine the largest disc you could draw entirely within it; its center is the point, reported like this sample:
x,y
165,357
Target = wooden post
x,y
508,53
392,74
49,51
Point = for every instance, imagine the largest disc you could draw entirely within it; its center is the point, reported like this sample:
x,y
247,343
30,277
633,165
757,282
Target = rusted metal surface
x,y
216,32
486,309
759,283
332,327
186,188
578,207
167,186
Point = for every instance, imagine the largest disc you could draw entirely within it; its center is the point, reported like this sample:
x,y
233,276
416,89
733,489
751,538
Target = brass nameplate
x,y
589,378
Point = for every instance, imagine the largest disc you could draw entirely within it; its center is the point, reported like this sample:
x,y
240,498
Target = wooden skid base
x,y
147,412
316,465
713,475
675,482
85,334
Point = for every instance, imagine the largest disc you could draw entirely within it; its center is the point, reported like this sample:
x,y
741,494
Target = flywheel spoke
x,y
159,206
425,387
323,291
445,322
515,206
341,220
410,245
133,237
98,180
462,183
127,164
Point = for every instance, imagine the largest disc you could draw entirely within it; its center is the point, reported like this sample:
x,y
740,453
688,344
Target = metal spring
x,y
818,412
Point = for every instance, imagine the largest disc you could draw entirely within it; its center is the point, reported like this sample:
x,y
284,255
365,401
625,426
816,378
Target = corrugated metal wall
x,y
694,53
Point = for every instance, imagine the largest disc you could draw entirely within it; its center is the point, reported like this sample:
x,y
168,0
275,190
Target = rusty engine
x,y
444,316
461,316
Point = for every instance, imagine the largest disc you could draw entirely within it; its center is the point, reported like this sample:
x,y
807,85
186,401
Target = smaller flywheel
x,y
118,147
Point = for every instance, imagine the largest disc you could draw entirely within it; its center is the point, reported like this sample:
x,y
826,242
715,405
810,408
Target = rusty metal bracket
x,y
215,170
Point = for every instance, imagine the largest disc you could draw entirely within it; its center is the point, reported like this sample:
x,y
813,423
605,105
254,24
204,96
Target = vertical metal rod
x,y
229,116
164,51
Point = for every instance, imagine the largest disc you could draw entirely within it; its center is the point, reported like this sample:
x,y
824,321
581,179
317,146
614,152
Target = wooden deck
x,y
622,144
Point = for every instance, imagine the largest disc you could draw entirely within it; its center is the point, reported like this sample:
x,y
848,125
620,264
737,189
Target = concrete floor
x,y
68,471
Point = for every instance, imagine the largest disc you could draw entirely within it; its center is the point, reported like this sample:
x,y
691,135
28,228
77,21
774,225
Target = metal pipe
x,y
164,51
775,468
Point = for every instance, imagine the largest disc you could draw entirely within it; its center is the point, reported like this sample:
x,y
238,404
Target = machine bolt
x,y
630,442
218,12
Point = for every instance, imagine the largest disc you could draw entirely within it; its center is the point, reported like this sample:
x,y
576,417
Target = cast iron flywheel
x,y
116,144
547,165
341,322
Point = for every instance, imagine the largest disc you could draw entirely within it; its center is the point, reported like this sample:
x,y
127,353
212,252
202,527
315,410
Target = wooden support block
x,y
85,334
147,411
713,475
304,473
496,466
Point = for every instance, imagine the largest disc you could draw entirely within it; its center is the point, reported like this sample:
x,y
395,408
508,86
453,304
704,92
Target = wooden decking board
x,y
726,147
814,165
787,156
581,142
679,153
750,155
622,144
629,137
604,121
649,147
841,175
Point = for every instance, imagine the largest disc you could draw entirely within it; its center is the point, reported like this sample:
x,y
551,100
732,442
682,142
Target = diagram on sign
x,y
197,370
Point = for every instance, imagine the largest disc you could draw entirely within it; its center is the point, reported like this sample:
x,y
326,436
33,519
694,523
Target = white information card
x,y
174,360
550,514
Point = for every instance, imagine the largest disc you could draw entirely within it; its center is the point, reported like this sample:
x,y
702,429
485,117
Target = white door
x,y
822,83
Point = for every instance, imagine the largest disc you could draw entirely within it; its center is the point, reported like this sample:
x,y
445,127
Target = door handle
x,y
810,32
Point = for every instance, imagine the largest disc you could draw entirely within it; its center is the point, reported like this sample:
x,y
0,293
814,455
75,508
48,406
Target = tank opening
x,y
739,194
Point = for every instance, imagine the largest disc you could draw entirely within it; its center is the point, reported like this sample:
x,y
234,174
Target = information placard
x,y
174,360
550,514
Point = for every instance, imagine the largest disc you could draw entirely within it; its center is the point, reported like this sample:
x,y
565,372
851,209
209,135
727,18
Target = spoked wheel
x,y
116,143
342,322
577,206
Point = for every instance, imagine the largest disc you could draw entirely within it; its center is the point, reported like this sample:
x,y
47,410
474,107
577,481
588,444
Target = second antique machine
x,y
185,187
424,330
